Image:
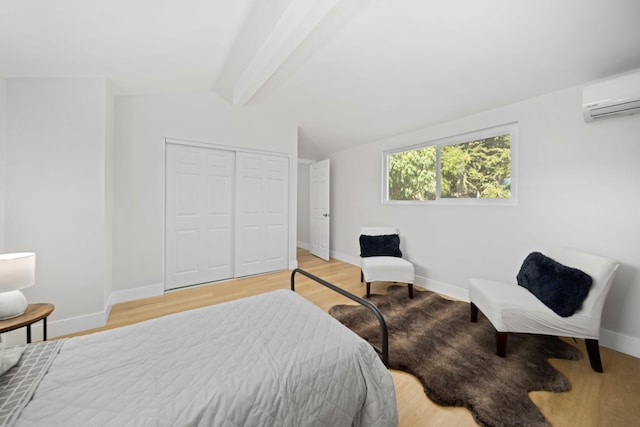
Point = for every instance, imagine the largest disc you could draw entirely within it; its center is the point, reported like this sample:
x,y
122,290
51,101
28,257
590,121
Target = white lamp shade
x,y
17,271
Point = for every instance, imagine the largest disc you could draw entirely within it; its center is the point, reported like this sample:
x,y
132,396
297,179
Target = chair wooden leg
x,y
474,313
410,290
593,350
501,343
368,289
361,276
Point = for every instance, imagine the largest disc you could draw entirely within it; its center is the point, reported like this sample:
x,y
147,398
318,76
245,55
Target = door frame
x,y
292,188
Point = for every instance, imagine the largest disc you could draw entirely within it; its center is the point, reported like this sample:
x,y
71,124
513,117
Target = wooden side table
x,y
34,313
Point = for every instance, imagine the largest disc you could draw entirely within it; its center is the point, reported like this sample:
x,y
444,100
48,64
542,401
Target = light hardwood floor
x,y
610,399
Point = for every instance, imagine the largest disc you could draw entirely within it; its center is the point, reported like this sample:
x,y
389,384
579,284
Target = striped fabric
x,y
19,383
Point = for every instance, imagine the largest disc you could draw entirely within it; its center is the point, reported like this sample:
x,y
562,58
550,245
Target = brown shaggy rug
x,y
432,338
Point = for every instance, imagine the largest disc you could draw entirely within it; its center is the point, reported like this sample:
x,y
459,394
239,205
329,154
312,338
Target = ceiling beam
x,y
296,23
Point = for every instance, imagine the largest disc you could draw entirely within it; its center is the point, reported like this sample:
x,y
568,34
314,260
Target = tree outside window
x,y
470,167
412,174
477,169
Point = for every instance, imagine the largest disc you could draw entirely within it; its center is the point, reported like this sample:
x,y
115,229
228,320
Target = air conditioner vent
x,y
614,97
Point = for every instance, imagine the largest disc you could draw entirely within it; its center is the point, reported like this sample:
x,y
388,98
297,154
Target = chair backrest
x,y
377,231
602,270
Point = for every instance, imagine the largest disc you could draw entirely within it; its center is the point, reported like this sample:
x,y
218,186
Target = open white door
x,y
320,223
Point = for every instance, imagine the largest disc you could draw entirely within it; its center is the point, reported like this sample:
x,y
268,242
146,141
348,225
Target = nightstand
x,y
33,314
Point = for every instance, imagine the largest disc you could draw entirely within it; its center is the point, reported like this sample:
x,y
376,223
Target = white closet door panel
x,y
199,215
218,241
251,252
218,195
186,252
274,252
262,213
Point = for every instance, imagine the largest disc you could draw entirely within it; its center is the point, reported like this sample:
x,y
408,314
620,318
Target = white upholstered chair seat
x,y
512,308
518,310
385,268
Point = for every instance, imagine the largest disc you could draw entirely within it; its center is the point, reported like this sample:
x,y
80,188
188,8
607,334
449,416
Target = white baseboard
x,y
619,342
303,245
135,293
72,325
443,288
57,328
346,258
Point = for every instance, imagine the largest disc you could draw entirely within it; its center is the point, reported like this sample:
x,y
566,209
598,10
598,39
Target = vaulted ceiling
x,y
349,71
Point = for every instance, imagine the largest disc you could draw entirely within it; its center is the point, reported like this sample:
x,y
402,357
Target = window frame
x,y
508,128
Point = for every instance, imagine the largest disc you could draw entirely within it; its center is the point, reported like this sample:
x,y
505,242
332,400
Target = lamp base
x,y
12,304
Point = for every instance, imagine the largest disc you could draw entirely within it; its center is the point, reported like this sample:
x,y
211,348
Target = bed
x,y
274,359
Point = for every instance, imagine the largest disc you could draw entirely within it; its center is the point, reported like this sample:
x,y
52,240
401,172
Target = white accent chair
x,y
512,308
385,268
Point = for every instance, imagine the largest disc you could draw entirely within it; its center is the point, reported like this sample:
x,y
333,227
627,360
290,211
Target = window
x,y
472,168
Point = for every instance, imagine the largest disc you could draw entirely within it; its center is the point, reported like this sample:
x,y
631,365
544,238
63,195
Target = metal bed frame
x,y
384,351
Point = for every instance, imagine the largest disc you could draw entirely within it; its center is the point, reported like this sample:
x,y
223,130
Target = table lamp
x,y
17,271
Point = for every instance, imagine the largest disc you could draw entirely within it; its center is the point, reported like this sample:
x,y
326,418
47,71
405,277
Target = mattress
x,y
274,359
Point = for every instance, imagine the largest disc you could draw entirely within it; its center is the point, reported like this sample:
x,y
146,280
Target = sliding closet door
x,y
261,213
199,215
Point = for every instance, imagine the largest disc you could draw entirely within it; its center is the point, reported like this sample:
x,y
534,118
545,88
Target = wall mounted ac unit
x,y
610,98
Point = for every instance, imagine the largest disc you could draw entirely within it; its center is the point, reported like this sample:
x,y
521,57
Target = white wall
x,y
303,203
3,132
55,184
577,187
142,123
